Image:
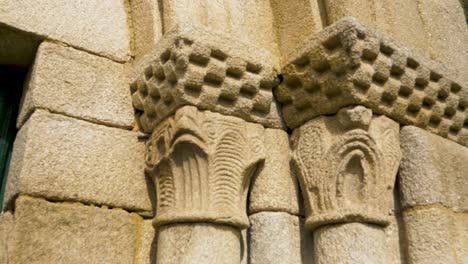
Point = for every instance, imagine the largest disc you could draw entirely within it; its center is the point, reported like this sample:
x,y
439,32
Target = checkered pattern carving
x,y
348,64
192,73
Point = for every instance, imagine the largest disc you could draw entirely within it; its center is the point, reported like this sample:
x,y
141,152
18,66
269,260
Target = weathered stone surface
x,y
347,64
78,84
146,245
249,21
446,27
347,165
296,20
435,28
6,229
68,159
48,232
350,243
277,237
207,70
433,170
435,235
97,26
275,188
201,163
198,243
146,25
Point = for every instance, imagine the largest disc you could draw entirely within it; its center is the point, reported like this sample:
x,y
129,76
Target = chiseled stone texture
x,y
249,21
350,243
295,20
189,243
146,245
46,232
78,84
347,64
146,24
275,188
435,235
279,238
202,163
208,70
6,230
347,166
433,170
436,28
99,26
68,159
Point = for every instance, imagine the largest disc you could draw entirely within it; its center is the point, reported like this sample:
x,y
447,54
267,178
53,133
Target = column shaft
x,y
193,243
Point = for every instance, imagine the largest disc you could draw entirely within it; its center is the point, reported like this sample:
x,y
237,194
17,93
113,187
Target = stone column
x,y
201,164
347,166
198,97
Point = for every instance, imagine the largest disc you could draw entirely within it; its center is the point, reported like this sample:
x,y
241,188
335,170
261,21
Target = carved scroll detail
x,y
347,165
201,163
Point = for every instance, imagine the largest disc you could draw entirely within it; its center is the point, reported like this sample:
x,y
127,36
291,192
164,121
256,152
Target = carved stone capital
x,y
347,165
201,163
347,64
207,70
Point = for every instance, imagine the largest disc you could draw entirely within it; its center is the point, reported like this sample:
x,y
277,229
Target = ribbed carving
x,y
202,164
228,166
354,169
191,168
166,188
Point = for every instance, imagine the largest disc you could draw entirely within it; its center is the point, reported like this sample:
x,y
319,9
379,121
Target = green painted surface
x,y
11,81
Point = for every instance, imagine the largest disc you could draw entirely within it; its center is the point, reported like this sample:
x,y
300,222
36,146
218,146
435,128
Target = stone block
x,y
446,25
147,242
189,243
275,188
346,64
146,23
208,70
6,229
202,163
294,21
434,28
46,232
249,21
78,84
347,166
433,170
62,158
435,235
96,26
279,238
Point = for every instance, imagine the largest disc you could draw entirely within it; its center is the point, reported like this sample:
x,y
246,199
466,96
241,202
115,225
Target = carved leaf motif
x,y
228,166
308,155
